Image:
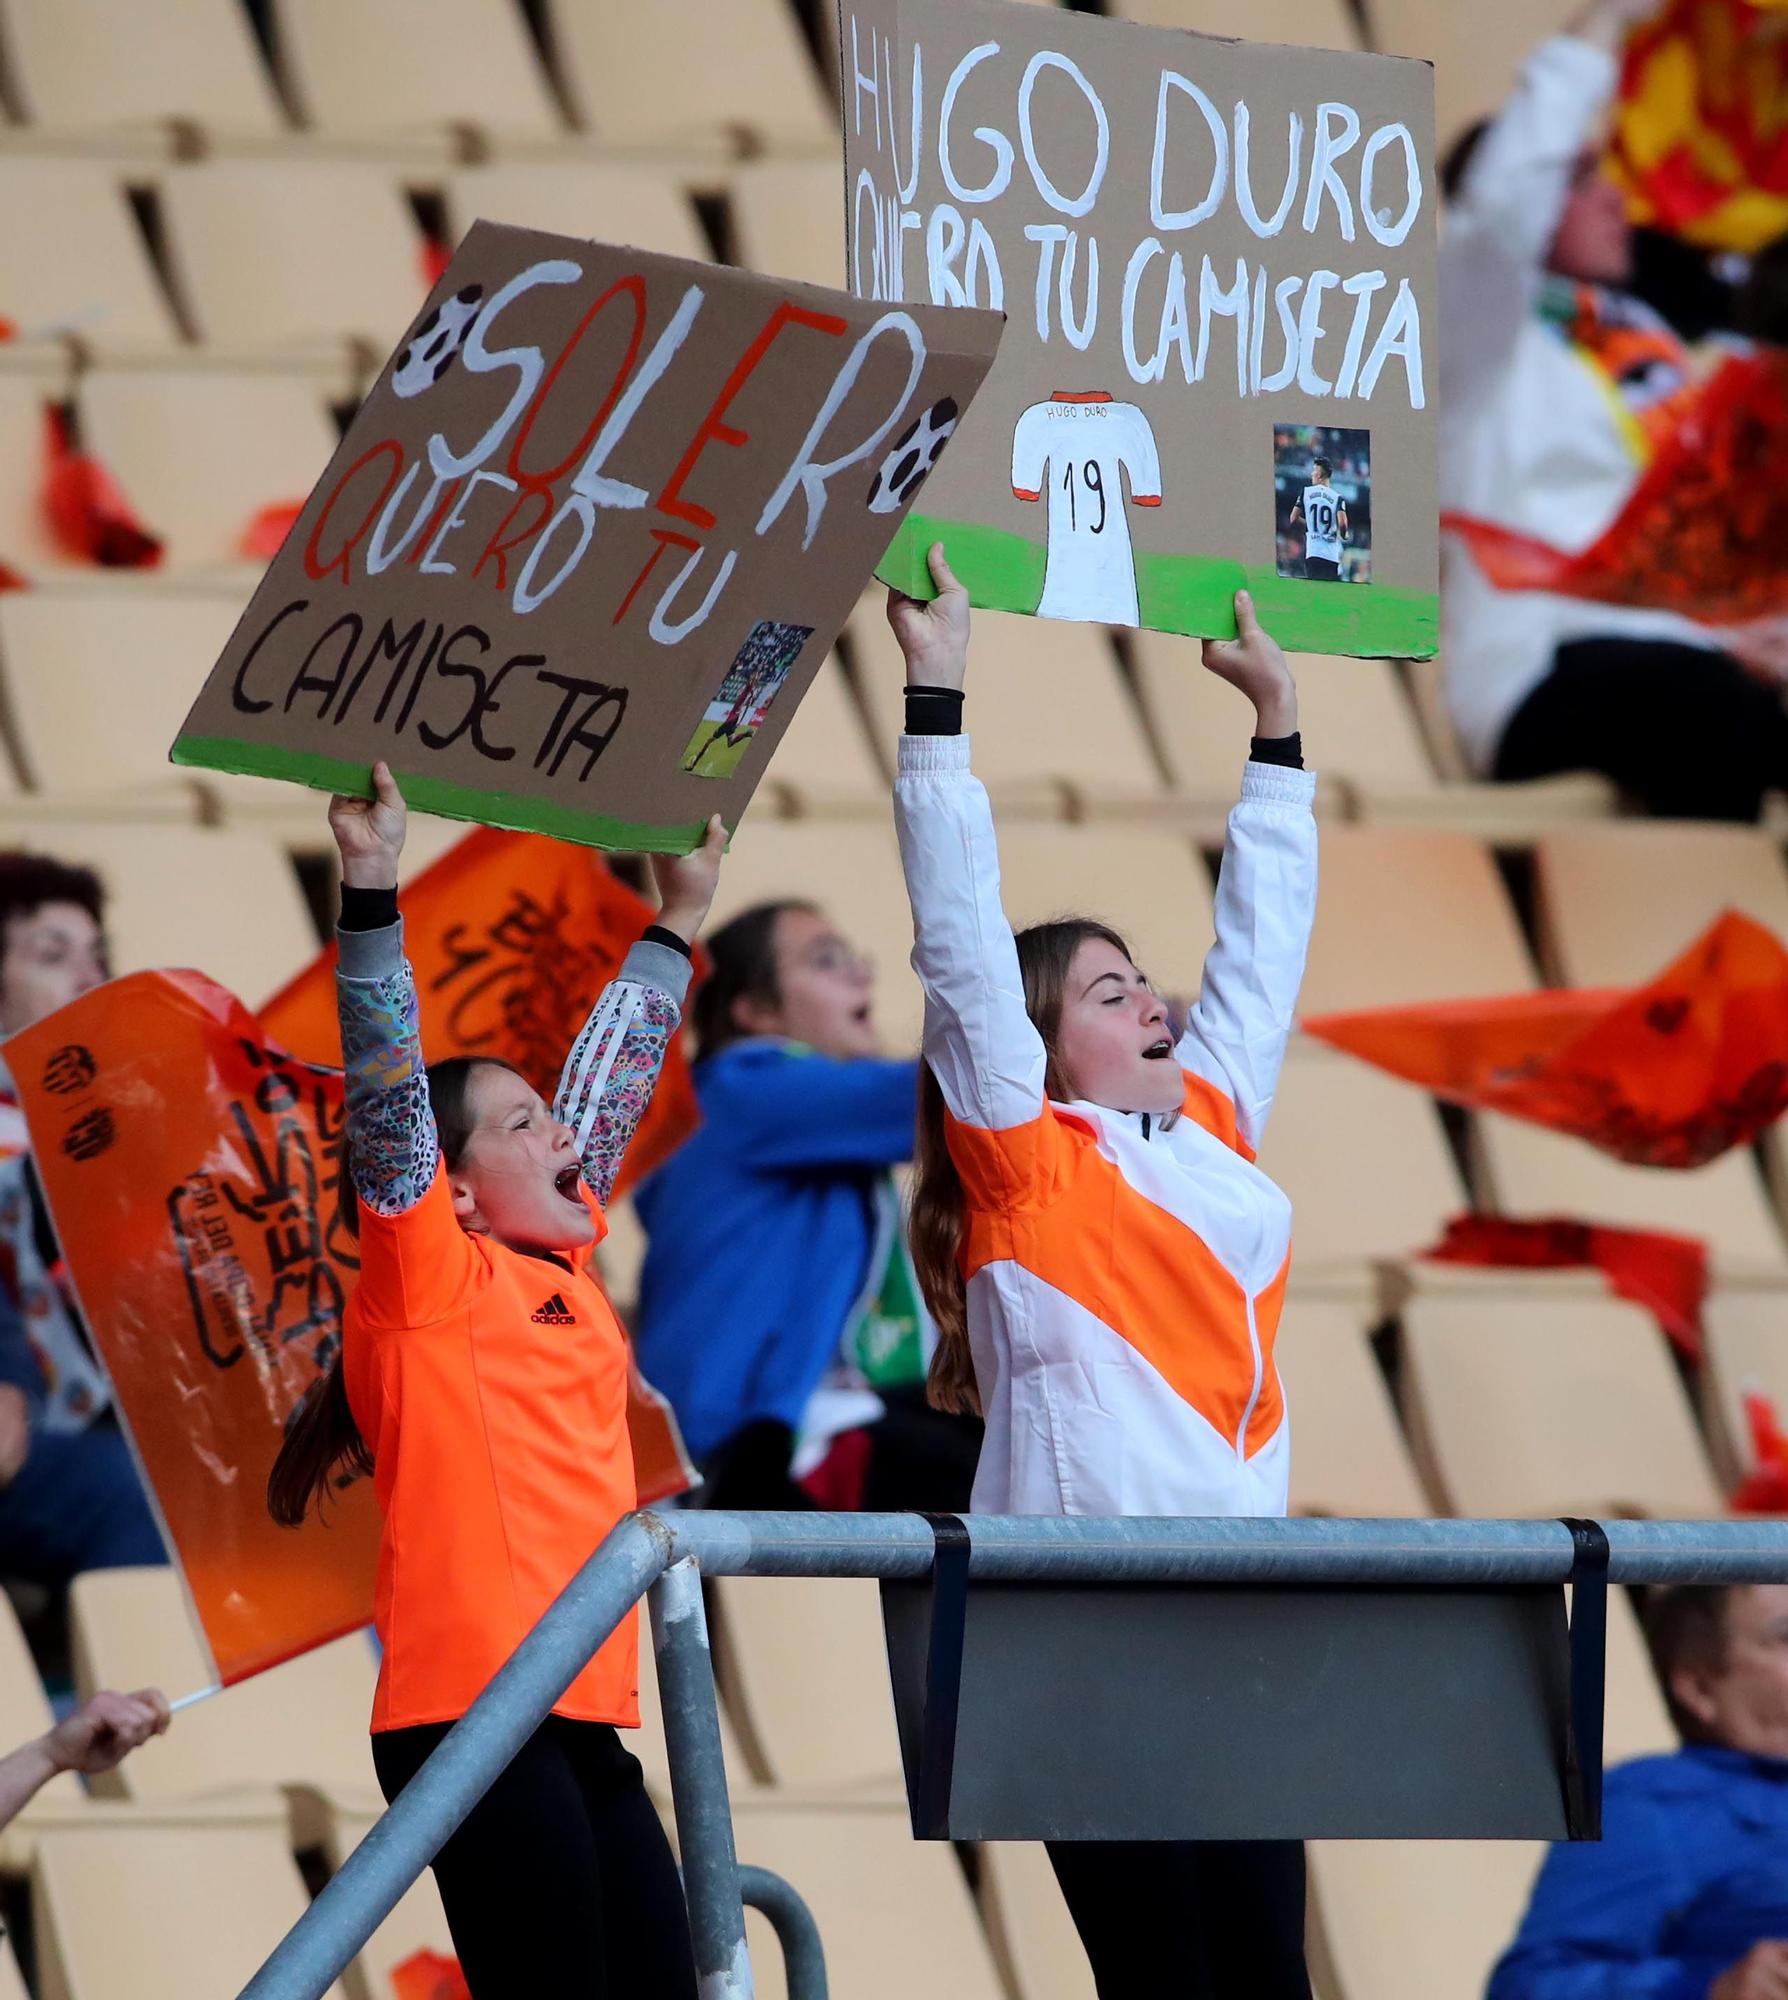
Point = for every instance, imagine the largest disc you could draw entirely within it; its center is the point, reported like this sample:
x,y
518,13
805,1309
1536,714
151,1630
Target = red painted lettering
x,y
314,566
666,538
543,505
634,289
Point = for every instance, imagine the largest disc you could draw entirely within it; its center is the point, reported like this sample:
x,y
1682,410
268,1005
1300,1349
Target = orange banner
x,y
1669,1074
1703,533
512,937
190,1167
1700,138
429,1975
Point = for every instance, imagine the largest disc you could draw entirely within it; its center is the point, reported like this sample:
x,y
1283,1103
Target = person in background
x,y
1559,381
98,1737
1685,1897
70,1495
793,1346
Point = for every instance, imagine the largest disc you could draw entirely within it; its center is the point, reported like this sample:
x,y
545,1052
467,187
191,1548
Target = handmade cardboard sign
x,y
1218,262
588,540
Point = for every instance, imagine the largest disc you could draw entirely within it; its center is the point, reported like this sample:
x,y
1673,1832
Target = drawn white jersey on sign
x,y
1076,448
1322,523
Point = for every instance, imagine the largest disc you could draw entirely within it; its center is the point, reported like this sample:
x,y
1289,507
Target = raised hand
x,y
104,1731
686,882
369,833
1253,662
933,637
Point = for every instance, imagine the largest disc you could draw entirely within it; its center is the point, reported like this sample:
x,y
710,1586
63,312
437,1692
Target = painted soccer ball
x,y
432,348
914,454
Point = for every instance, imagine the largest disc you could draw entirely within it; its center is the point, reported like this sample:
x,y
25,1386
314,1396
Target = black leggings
x,y
559,1885
1685,731
1188,1919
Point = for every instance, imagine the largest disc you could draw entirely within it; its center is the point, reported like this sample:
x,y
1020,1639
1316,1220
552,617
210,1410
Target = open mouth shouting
x,y
1159,1051
567,1182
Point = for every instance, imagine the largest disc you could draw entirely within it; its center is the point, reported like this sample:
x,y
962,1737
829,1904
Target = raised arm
x,y
612,1069
1266,894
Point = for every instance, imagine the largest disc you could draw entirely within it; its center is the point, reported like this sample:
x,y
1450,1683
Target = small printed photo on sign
x,y
742,700
1322,503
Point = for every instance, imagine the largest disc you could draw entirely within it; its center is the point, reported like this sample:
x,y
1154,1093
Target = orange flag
x,y
512,937
1703,532
429,1975
1670,1074
191,1170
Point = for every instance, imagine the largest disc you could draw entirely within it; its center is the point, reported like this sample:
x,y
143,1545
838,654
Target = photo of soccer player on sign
x,y
1322,503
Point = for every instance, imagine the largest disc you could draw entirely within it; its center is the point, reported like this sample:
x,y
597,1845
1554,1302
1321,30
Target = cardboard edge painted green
x,y
1180,593
435,795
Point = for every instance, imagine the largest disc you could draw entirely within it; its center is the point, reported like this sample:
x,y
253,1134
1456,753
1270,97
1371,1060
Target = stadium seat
x,y
895,1913
1410,915
163,1913
824,763
788,220
386,72
1364,1159
1549,1405
1636,1722
1476,52
73,262
621,1253
1414,1920
201,452
804,1668
301,1726
1617,903
854,875
1317,24
689,72
28,393
1048,708
418,1924
1746,1354
12,1980
108,66
166,886
1348,1454
614,201
1028,1925
278,255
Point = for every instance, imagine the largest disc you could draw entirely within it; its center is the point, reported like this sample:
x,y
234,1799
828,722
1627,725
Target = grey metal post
x,y
698,1784
803,1956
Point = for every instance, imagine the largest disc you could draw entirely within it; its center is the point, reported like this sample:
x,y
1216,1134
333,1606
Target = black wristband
x,y
657,934
933,711
366,909
1287,750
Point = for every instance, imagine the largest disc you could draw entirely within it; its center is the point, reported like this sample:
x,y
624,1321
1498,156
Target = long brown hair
x,y
323,1446
741,966
1045,952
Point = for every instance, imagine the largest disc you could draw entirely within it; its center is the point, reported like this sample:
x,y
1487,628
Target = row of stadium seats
x,y
433,79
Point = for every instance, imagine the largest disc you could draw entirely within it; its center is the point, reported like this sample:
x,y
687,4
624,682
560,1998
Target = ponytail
x,y
936,1229
322,1440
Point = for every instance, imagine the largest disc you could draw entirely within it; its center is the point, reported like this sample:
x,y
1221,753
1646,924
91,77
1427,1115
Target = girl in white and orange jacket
x,y
1104,1261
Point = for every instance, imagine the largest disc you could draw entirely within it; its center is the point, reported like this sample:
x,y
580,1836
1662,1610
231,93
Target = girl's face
x,y
825,990
519,1178
1112,1045
50,956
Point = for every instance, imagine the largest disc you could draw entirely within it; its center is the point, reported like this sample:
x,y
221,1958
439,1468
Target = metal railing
x,y
666,1554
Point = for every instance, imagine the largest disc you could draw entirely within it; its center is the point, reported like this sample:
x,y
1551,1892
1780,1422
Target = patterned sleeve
x,y
391,1129
614,1063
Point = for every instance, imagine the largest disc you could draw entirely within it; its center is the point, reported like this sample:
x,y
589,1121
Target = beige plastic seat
x,y
26,398
1528,1171
852,873
12,1980
1406,916
1348,1454
1619,902
285,254
788,219
1047,707
1415,1920
72,259
1636,1720
1549,1405
687,72
620,1255
804,1667
161,1914
225,903
417,1924
100,66
824,762
1476,52
301,1726
1746,1332
613,201
1028,1925
378,70
1317,24
1364,1159
895,1913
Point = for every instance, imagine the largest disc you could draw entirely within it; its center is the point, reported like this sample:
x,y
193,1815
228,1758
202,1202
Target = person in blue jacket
x,y
1685,1897
793,1343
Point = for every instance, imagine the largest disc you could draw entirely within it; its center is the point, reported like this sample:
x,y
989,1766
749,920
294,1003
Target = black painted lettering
x,y
350,623
386,645
565,735
238,697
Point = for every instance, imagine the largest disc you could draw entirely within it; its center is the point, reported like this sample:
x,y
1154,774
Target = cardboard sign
x,y
191,1172
1218,263
587,541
